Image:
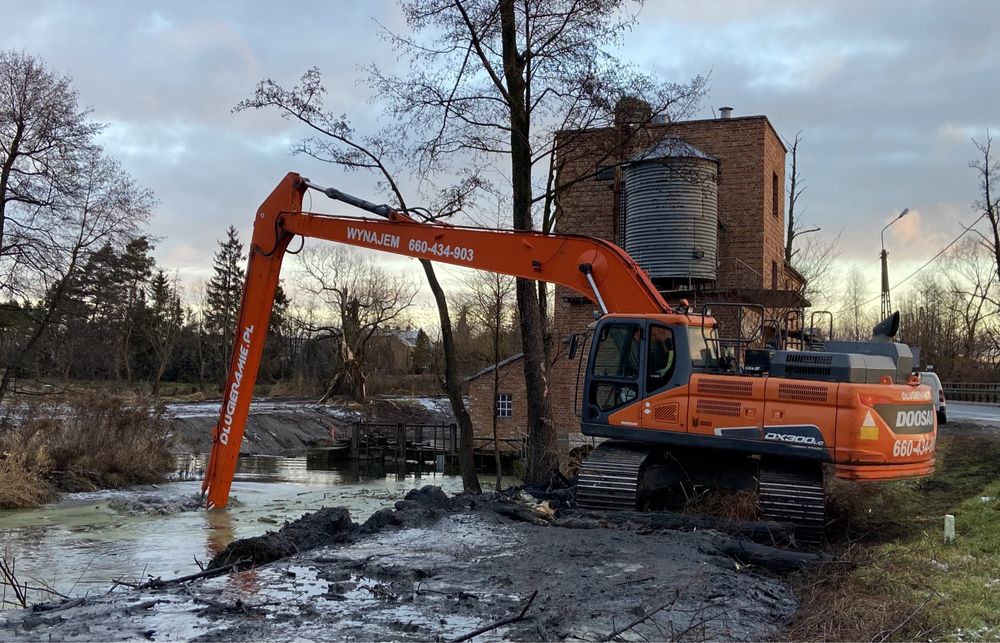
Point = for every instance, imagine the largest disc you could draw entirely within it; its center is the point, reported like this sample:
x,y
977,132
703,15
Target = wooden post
x,y
454,437
356,440
400,441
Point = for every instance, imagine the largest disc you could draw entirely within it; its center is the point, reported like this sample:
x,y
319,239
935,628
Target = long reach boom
x,y
593,267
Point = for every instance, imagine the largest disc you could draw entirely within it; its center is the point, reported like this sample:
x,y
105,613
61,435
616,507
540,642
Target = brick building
x,y
749,265
508,406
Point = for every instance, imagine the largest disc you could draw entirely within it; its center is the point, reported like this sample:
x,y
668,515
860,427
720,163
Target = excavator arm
x,y
593,267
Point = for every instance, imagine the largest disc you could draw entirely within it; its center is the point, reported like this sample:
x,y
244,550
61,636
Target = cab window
x,y
702,347
618,351
660,358
616,367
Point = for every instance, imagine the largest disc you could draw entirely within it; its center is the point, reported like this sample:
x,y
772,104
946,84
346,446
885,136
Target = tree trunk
x,y
125,359
543,458
792,196
991,214
156,379
453,386
5,171
165,355
496,385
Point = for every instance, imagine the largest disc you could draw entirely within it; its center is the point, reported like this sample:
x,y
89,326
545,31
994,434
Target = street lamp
x,y
886,303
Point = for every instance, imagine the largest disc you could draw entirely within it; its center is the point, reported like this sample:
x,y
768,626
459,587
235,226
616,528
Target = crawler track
x,y
609,477
794,495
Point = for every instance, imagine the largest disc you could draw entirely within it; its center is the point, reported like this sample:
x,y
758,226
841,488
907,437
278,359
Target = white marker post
x,y
949,529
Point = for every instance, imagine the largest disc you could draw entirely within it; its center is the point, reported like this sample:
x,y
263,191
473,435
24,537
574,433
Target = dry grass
x,y
21,487
839,603
901,582
731,505
82,444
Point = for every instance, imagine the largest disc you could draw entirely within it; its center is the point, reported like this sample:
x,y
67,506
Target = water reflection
x,y
317,467
221,531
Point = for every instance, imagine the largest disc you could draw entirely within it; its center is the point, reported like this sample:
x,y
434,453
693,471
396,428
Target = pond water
x,y
83,542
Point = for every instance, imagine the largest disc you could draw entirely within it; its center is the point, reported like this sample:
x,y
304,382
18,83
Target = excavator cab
x,y
632,358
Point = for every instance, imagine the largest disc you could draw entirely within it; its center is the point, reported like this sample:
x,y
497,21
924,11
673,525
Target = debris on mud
x,y
442,567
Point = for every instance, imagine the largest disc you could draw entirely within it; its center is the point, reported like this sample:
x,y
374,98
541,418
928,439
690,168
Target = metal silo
x,y
670,213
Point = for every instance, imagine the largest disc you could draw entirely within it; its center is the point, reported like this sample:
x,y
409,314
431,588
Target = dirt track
x,y
438,567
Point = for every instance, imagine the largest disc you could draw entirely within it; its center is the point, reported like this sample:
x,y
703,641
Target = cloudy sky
x,y
887,95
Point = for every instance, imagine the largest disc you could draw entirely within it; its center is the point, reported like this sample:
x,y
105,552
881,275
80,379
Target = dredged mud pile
x,y
440,567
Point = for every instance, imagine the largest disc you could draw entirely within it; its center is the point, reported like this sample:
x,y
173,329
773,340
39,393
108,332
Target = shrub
x,y
89,442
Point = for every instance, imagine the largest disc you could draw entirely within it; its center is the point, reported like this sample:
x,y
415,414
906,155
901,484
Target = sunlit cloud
x,y
887,95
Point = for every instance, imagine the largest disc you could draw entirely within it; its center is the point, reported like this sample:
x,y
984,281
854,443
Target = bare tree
x,y
490,300
106,207
333,140
795,190
60,198
988,169
45,137
856,319
816,261
491,79
970,273
364,298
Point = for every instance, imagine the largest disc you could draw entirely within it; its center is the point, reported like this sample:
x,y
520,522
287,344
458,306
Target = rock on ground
x,y
437,568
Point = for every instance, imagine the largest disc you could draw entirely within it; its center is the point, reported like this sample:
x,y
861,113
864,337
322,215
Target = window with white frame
x,y
505,405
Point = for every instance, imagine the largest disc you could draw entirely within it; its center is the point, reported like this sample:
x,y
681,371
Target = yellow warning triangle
x,y
869,430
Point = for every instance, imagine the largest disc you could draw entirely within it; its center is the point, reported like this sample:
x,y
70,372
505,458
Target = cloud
x,y
887,95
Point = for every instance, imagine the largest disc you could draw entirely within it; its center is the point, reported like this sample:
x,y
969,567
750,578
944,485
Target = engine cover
x,y
832,367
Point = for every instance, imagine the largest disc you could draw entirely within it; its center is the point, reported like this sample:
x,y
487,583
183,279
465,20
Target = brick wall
x,y
774,206
566,375
482,404
751,162
751,239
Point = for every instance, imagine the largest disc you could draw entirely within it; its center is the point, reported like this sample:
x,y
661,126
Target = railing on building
x,y
983,392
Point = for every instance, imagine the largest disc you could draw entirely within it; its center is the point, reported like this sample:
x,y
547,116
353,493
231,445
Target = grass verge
x,y
899,580
82,444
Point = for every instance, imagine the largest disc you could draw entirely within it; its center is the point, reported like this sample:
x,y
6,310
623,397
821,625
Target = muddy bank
x,y
442,567
287,426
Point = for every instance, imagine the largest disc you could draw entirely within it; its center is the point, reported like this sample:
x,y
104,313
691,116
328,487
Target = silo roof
x,y
672,147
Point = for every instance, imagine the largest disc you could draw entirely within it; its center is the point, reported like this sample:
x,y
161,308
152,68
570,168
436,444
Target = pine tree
x,y
275,361
133,271
423,353
166,322
222,297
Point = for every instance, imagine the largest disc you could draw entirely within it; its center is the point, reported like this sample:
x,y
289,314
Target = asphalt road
x,y
978,413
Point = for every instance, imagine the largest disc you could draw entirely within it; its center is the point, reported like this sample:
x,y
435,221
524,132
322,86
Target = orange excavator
x,y
677,402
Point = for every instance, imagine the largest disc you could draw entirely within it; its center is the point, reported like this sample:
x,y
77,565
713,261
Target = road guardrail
x,y
984,392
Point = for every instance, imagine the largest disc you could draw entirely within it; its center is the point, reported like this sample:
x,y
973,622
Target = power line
x,y
914,273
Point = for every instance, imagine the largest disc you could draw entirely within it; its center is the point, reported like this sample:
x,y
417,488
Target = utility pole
x,y
886,301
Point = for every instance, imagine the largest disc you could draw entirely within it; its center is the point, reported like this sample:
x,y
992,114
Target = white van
x,y
937,394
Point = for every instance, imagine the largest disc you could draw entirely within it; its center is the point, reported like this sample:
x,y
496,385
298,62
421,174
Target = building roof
x,y
672,147
406,336
500,364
